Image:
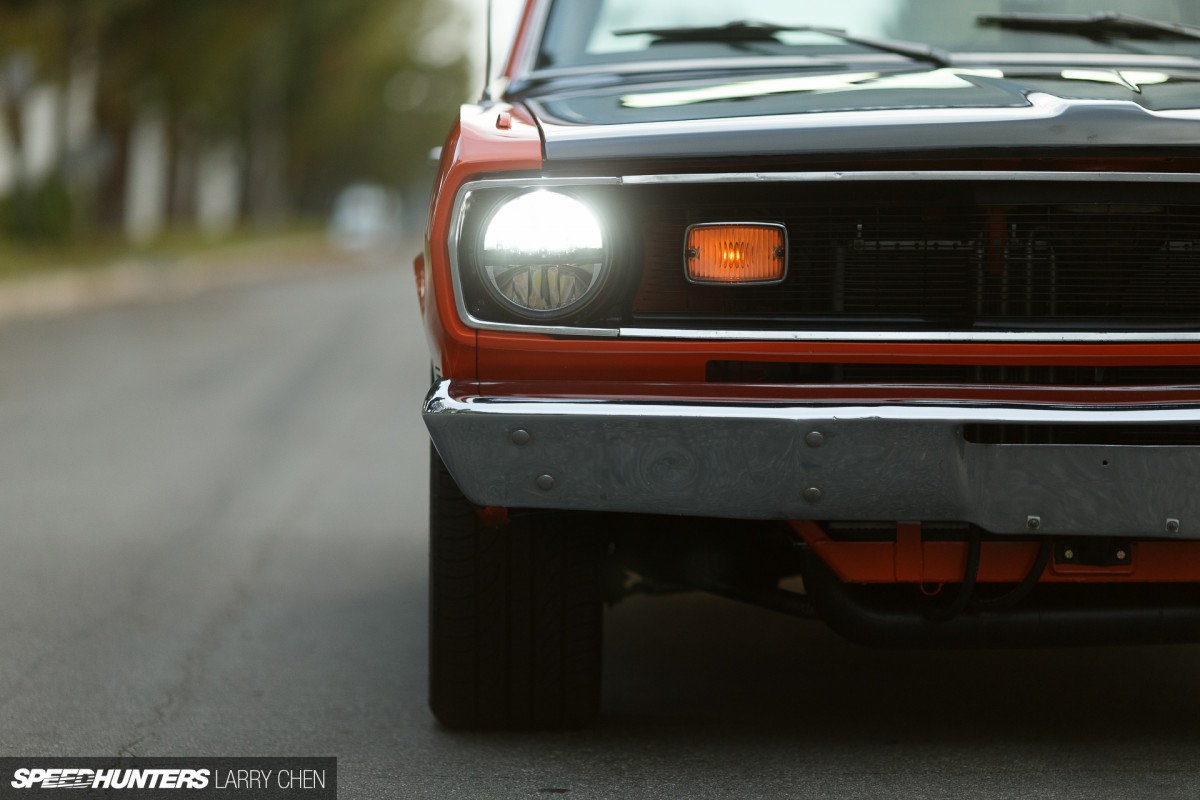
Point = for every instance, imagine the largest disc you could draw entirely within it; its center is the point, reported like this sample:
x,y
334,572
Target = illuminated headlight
x,y
544,255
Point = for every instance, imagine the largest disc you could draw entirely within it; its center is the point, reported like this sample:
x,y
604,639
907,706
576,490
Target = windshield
x,y
589,32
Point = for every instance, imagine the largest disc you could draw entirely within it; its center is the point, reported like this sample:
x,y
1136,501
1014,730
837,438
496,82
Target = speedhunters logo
x,y
110,779
147,778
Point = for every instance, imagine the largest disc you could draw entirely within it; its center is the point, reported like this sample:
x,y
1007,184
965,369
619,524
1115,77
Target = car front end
x,y
916,323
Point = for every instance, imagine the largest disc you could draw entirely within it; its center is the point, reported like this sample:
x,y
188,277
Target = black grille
x,y
803,373
1102,258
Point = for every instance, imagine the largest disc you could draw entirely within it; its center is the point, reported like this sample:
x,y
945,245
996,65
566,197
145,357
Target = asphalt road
x,y
212,542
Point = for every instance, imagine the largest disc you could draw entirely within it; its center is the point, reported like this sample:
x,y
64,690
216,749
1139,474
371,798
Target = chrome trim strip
x,y
898,175
439,400
1048,337
541,182
759,461
1030,337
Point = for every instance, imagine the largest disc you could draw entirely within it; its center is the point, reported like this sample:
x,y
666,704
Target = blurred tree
x,y
312,94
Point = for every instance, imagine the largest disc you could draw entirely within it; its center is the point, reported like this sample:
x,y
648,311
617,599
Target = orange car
x,y
883,312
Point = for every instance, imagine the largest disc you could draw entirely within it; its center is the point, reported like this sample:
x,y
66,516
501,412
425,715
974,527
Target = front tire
x,y
515,617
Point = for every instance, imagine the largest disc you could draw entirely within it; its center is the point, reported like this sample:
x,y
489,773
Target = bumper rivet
x,y
1172,526
545,482
815,439
520,437
812,494
1033,523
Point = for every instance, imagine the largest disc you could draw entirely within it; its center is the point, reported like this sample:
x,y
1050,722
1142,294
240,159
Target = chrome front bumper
x,y
883,462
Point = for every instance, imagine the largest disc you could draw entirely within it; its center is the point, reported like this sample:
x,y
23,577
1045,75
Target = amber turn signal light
x,y
750,253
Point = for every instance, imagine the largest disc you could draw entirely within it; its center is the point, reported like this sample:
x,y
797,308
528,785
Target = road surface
x,y
214,543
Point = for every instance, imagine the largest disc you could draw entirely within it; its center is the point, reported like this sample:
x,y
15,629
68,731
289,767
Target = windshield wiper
x,y
1100,25
753,31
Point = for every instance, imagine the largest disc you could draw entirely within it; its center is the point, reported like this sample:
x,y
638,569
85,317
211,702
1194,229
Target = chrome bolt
x,y
815,439
812,494
1069,554
1122,555
520,437
1172,526
545,482
1033,523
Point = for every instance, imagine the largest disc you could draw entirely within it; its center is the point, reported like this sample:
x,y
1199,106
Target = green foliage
x,y
334,80
38,215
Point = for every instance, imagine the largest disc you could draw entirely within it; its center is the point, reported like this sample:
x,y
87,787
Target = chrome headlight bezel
x,y
544,260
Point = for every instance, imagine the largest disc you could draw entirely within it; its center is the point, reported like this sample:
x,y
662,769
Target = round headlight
x,y
544,255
